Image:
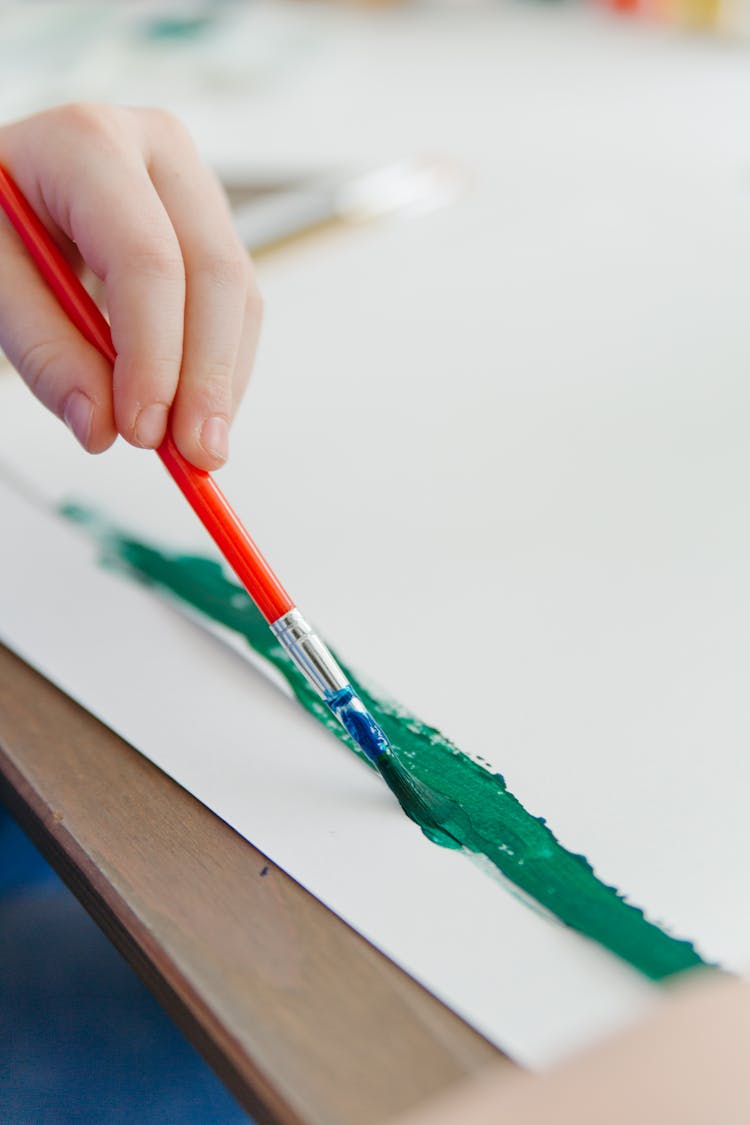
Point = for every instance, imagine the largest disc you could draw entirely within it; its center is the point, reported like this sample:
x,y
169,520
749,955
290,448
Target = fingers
x,y
127,191
115,217
60,367
222,309
93,183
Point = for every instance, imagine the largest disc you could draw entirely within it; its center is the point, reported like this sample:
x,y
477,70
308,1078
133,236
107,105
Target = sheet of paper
x,y
219,728
499,454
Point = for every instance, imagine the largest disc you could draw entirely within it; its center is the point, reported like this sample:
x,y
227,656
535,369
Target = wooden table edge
x,y
43,731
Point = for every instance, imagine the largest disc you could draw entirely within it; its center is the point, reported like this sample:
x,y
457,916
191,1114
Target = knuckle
x,y
157,258
143,376
93,121
226,269
218,382
37,364
162,372
164,122
214,392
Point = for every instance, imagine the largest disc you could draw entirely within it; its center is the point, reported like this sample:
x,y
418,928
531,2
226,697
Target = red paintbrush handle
x,y
79,306
223,525
201,491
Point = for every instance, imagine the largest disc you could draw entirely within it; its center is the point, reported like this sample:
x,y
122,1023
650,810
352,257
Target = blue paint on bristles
x,y
418,801
357,720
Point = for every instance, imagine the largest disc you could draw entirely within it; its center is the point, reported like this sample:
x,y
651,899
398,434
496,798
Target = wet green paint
x,y
471,807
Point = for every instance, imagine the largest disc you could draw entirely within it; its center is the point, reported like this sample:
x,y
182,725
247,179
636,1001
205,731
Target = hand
x,y
686,1064
124,193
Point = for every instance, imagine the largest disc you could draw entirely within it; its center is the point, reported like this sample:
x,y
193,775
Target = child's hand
x,y
124,192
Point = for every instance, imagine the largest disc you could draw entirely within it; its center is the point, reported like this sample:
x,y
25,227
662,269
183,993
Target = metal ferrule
x,y
309,653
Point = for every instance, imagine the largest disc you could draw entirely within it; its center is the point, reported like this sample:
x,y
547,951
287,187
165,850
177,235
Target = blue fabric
x,y
21,865
81,1039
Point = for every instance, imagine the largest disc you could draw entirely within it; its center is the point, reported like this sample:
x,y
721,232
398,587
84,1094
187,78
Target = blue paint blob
x,y
357,720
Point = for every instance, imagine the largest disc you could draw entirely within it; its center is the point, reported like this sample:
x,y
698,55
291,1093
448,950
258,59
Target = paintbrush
x,y
305,648
281,214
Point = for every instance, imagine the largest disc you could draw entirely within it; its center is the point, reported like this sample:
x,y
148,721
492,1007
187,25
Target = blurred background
x,y
185,54
277,90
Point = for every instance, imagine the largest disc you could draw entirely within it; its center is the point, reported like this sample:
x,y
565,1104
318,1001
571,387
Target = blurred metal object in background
x,y
269,218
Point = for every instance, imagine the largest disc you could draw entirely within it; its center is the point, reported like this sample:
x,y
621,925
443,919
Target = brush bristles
x,y
424,806
414,797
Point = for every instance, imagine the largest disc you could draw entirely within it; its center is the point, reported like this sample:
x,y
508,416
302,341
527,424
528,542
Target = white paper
x,y
499,454
219,728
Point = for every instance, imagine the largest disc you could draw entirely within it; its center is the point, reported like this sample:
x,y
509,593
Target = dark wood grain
x,y
301,1017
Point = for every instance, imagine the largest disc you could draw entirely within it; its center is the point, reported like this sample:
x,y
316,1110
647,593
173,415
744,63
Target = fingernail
x,y
78,414
215,437
150,424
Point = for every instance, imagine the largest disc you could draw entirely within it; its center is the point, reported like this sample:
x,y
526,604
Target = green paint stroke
x,y
477,810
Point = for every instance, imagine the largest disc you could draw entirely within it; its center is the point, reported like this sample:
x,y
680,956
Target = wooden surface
x,y
301,1017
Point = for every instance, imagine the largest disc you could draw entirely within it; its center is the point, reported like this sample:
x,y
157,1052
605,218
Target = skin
x,y
128,200
684,1065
